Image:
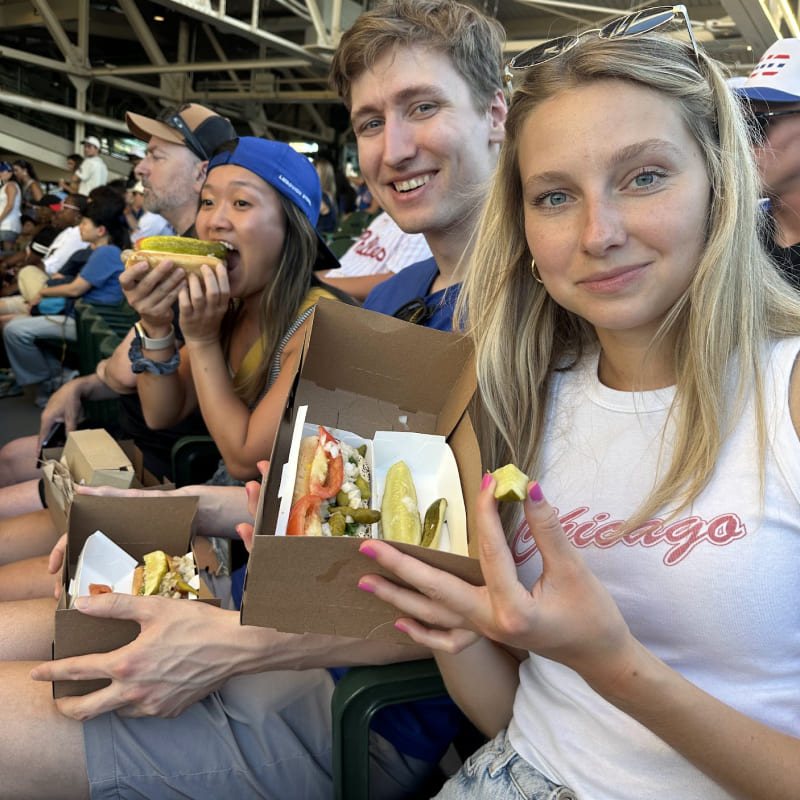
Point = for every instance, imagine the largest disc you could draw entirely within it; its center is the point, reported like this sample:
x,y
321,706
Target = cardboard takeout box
x,y
60,481
94,458
361,372
138,526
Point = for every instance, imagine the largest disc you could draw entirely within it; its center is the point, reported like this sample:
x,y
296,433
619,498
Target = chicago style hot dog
x,y
332,490
189,254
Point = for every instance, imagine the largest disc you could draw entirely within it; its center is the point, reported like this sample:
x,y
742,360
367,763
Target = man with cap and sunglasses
x,y
773,92
179,144
93,171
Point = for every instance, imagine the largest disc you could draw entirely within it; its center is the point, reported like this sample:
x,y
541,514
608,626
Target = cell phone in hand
x,y
56,437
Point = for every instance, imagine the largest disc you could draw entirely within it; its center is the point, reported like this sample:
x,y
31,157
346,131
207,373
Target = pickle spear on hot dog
x,y
188,254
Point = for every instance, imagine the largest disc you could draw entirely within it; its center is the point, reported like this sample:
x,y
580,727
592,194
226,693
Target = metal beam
x,y
62,111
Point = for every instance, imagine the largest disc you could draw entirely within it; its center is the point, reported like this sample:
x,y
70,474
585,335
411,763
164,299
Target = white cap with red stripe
x,y
776,78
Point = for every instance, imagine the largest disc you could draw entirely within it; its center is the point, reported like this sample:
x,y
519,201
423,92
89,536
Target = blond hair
x,y
736,301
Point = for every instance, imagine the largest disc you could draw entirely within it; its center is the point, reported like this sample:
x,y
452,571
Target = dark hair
x,y
27,166
106,208
77,158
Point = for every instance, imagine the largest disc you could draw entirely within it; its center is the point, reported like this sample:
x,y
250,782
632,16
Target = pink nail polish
x,y
486,482
367,551
400,627
535,493
366,587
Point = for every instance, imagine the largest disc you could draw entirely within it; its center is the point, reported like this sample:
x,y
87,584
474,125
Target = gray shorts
x,y
259,736
8,236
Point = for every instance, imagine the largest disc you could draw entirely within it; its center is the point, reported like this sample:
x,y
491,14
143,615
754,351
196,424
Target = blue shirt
x,y
422,729
414,282
102,271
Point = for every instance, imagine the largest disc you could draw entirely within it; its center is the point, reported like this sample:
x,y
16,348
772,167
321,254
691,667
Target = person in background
x,y
73,182
103,228
10,204
29,184
345,194
636,351
142,222
382,250
93,171
328,217
772,91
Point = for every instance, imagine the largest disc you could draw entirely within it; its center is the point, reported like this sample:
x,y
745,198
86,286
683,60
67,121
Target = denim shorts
x,y
496,772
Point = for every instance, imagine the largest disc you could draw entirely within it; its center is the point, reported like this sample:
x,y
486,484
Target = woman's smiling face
x,y
616,203
244,211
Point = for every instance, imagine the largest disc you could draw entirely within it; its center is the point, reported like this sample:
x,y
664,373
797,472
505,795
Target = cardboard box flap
x,y
408,367
325,571
94,458
132,519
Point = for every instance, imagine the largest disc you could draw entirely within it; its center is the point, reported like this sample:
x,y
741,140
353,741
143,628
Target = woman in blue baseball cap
x,y
241,323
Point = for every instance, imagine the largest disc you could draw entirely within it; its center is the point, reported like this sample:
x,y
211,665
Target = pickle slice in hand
x,y
400,520
432,525
510,484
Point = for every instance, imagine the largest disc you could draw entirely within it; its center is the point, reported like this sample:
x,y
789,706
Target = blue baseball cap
x,y
5,166
288,172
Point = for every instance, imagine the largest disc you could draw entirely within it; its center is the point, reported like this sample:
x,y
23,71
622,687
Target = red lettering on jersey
x,y
679,537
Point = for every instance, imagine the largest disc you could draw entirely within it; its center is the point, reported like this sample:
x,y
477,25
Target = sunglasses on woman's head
x,y
636,24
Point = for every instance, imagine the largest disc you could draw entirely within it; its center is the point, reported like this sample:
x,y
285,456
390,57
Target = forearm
x,y
70,290
251,649
115,371
164,398
489,709
744,756
225,415
93,388
219,509
358,286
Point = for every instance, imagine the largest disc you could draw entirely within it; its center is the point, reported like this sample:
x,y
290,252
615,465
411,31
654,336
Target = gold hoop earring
x,y
535,273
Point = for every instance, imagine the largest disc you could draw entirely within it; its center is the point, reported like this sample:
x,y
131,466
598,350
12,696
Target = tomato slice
x,y
327,468
304,519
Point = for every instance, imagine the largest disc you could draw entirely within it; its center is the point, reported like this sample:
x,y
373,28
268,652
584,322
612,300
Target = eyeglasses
x,y
765,118
636,24
415,311
176,121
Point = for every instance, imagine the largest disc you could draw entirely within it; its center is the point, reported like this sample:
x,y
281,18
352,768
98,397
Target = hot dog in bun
x,y
188,254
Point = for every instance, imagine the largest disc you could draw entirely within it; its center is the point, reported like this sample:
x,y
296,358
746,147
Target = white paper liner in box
x,y
435,473
301,430
103,561
429,457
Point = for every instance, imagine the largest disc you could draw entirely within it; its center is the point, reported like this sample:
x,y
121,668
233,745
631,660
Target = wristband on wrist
x,y
146,343
141,364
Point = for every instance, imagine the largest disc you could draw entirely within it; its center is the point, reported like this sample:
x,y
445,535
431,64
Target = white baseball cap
x,y
92,140
776,78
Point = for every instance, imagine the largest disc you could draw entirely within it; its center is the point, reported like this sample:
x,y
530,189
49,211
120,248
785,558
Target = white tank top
x,y
715,593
